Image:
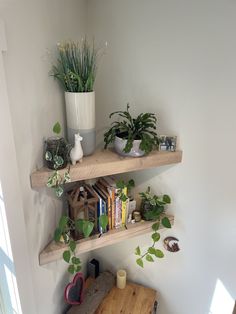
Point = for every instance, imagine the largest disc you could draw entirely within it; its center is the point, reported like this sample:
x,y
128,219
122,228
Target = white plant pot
x,y
80,116
119,145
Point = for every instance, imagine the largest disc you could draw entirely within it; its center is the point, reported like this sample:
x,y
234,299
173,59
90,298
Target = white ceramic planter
x,y
119,145
80,116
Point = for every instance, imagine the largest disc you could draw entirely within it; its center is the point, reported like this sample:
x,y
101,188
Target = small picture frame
x,y
167,143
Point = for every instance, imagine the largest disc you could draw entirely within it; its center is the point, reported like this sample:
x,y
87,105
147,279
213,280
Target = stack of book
x,y
110,203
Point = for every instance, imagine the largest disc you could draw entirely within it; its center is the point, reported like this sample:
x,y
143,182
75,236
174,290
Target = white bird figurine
x,y
76,154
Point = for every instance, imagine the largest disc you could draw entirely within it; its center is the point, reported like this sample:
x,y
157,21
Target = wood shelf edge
x,y
53,251
106,162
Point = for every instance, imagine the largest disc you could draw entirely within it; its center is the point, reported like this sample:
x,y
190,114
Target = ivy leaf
x,y
137,251
166,199
123,197
79,223
156,236
72,245
75,260
71,269
149,258
87,228
63,222
57,128
48,156
166,222
58,160
78,268
152,250
57,235
120,184
155,226
103,221
159,253
66,256
139,261
67,177
59,191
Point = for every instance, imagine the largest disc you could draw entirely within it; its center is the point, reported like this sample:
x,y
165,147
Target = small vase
x,y
119,145
80,115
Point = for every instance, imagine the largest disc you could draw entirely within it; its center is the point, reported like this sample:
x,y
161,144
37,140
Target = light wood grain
x,y
54,251
106,162
134,299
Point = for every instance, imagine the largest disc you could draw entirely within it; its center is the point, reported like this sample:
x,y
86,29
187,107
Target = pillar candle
x,y
121,279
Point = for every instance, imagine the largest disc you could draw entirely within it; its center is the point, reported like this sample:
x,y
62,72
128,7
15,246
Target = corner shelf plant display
x,y
153,209
132,136
56,157
76,69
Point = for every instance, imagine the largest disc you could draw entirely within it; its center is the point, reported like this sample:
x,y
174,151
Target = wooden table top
x,y
134,299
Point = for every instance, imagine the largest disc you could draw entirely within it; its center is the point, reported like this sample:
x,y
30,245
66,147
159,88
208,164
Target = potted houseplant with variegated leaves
x,y
57,157
76,69
131,136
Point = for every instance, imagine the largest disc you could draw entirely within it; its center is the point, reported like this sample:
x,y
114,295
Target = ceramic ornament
x,y
74,290
76,154
171,244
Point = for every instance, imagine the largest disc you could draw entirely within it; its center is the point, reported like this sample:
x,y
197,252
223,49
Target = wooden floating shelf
x,y
106,162
54,251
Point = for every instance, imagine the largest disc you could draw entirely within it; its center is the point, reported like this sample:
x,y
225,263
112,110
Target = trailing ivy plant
x,y
57,158
63,233
143,128
156,212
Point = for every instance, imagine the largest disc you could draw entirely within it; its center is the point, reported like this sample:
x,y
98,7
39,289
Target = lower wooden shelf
x,y
54,251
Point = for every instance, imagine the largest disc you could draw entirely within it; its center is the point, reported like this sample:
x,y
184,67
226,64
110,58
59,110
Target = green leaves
x,y
155,226
72,245
149,258
57,128
139,262
57,235
140,128
85,226
76,66
63,222
159,253
156,236
166,222
71,269
137,251
66,256
103,221
166,199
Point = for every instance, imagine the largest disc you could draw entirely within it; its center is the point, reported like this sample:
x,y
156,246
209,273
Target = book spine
x,y
124,209
118,212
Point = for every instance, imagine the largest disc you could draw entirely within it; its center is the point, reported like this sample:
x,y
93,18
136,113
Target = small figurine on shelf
x,y
76,154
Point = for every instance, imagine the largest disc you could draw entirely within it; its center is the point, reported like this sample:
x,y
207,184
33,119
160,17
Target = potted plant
x,y
152,206
76,71
132,136
56,157
154,210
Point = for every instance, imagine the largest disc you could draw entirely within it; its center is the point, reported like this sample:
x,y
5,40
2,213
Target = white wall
x,y
33,28
177,58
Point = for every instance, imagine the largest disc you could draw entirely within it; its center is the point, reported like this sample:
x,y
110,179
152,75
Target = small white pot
x,y
80,116
119,145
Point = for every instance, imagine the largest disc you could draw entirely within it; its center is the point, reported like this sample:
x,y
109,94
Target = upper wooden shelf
x,y
106,162
54,250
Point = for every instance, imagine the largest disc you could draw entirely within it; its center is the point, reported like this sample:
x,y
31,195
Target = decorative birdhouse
x,y
82,205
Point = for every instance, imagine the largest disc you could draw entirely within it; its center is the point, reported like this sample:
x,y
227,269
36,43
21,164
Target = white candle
x,y
121,279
